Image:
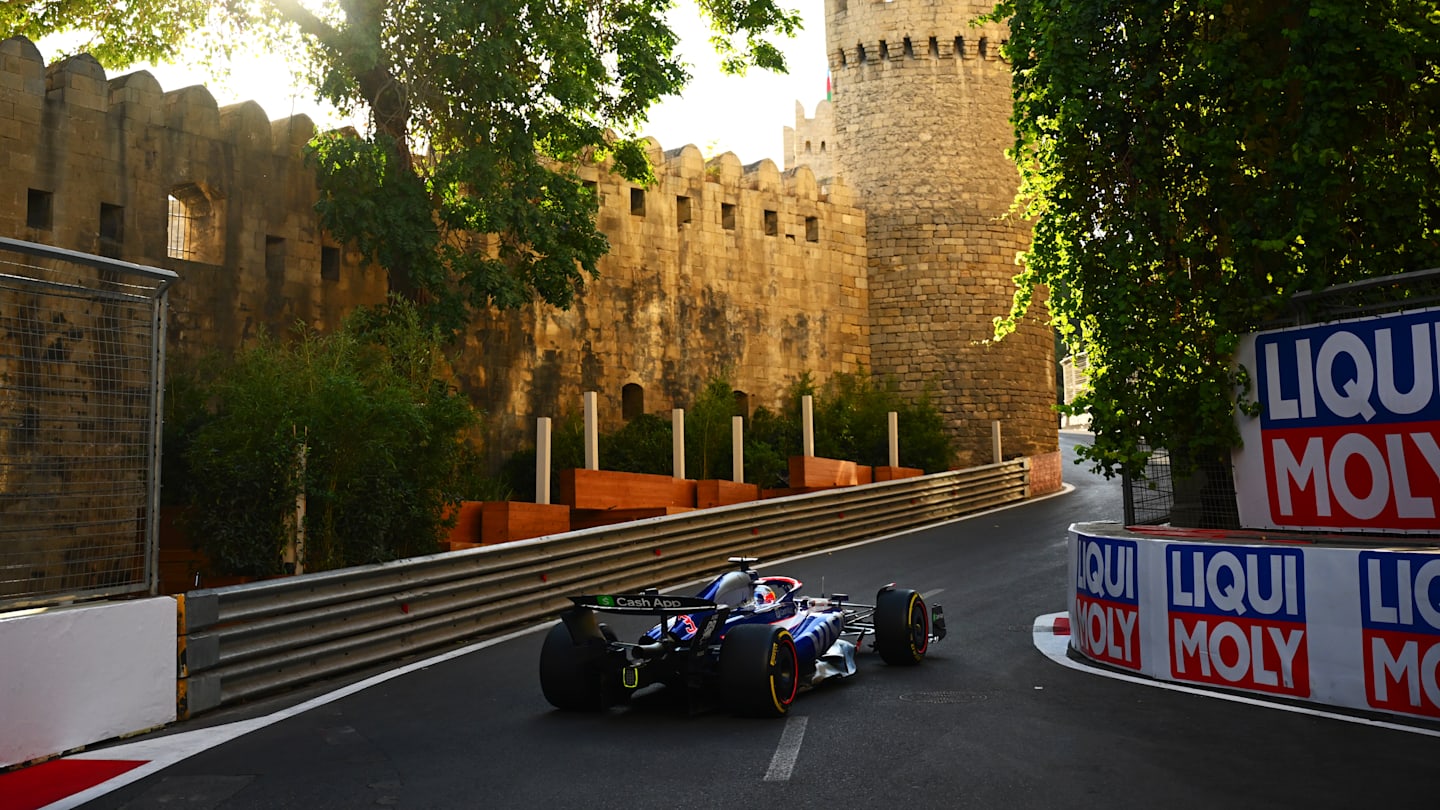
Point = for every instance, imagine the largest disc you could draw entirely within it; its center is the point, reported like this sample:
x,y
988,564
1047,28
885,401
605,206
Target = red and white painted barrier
x,y
1351,627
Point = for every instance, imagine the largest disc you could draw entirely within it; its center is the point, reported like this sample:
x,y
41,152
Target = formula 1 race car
x,y
749,640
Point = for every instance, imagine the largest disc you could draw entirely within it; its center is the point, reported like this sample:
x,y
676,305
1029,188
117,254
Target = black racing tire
x,y
759,670
570,674
902,627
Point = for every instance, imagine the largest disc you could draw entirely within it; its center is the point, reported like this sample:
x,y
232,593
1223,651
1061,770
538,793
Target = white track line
x,y
163,751
1053,646
787,751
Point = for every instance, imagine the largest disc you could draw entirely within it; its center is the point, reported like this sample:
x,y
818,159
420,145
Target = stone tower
x,y
811,142
921,112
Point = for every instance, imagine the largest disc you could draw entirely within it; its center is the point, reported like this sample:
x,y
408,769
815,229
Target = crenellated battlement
x,y
812,142
864,36
717,265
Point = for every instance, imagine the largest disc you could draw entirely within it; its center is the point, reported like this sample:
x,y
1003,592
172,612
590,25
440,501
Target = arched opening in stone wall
x,y
909,49
934,46
860,54
632,401
984,48
959,47
742,404
192,232
843,61
807,147
884,49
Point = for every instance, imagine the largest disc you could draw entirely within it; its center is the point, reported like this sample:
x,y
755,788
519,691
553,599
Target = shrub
x,y
851,423
362,421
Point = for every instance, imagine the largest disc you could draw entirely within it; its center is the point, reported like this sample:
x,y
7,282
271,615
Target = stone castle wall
x,y
921,107
716,267
91,163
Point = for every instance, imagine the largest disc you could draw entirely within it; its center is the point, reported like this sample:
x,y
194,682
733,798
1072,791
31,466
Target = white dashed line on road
x,y
787,751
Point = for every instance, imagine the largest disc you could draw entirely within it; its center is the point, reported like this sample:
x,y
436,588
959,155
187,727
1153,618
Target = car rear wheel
x,y
570,674
759,670
902,626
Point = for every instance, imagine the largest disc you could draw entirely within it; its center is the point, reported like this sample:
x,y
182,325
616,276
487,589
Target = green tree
x,y
465,189
709,446
1189,165
852,422
362,421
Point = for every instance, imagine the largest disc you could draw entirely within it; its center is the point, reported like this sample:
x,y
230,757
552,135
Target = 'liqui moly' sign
x,y
1237,617
1347,434
1400,628
1105,622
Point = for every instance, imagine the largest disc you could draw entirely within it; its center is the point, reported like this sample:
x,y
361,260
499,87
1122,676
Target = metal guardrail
x,y
243,641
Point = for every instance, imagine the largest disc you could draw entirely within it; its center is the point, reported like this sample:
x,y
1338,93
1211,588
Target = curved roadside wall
x,y
1353,627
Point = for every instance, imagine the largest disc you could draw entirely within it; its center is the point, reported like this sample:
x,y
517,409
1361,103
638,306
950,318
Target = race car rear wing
x,y
642,603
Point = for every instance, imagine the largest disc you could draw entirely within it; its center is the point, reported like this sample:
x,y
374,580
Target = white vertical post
x,y
737,449
294,557
592,433
807,425
542,460
677,446
995,439
893,422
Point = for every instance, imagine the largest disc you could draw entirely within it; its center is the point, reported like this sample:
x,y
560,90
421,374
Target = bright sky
x,y
717,113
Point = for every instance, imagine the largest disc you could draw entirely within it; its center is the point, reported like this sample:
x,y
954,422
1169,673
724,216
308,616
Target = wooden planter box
x,y
812,472
606,489
722,493
503,521
485,523
896,473
590,518
466,531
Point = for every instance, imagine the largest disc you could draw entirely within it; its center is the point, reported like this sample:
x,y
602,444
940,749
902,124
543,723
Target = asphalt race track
x,y
986,722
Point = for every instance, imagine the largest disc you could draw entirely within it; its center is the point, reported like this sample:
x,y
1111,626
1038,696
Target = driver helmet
x,y
765,595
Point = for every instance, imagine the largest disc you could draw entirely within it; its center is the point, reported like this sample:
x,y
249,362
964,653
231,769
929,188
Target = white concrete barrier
x,y
72,676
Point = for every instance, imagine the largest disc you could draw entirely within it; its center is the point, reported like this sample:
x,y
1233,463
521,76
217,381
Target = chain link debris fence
x,y
82,342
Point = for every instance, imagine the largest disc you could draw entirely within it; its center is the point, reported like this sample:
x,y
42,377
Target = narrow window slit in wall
x,y
112,230
772,223
112,222
637,202
274,257
39,209
329,263
682,210
727,216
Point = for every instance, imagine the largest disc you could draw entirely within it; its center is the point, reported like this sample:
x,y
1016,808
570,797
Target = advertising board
x,y
1346,435
1343,626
